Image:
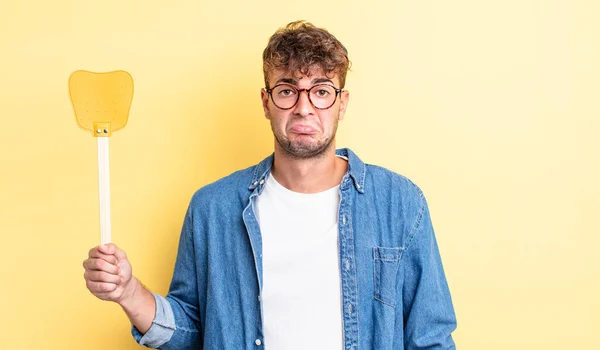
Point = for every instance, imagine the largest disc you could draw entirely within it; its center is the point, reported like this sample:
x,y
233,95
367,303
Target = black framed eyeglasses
x,y
286,96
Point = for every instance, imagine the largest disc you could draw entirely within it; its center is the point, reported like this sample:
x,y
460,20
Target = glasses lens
x,y
285,96
322,96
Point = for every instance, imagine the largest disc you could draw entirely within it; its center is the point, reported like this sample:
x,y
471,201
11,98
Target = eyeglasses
x,y
321,96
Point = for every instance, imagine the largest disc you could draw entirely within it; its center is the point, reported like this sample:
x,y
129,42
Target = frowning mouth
x,y
303,129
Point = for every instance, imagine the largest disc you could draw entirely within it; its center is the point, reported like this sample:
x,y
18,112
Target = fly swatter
x,y
101,102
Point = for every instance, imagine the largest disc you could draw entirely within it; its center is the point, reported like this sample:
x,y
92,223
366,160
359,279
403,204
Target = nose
x,y
303,107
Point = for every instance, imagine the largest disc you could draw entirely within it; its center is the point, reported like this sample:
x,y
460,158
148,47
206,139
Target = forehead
x,y
314,75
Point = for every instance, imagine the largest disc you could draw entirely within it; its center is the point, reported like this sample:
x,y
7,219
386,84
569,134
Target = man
x,y
309,249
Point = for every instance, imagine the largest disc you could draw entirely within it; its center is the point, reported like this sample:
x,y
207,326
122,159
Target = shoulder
x,y
227,189
400,194
383,178
397,193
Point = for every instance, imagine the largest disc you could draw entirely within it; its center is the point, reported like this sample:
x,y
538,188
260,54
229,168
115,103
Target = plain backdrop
x,y
491,107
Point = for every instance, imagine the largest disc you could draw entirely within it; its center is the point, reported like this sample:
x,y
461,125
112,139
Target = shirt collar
x,y
356,169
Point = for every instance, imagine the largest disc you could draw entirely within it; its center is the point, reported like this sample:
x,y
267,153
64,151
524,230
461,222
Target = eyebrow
x,y
295,82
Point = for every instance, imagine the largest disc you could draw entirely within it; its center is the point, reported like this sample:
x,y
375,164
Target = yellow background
x,y
491,107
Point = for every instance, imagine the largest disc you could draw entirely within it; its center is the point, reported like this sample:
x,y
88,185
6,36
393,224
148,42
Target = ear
x,y
265,102
344,99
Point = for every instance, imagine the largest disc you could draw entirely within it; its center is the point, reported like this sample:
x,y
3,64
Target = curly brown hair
x,y
300,46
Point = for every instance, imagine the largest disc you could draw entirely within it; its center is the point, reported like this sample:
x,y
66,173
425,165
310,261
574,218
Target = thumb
x,y
119,253
108,249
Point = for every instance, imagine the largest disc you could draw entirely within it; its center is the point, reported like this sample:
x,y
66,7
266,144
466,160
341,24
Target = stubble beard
x,y
303,150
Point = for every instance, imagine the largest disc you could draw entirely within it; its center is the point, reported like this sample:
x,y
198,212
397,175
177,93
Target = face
x,y
304,131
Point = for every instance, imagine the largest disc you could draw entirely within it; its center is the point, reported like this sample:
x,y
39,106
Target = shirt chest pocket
x,y
386,263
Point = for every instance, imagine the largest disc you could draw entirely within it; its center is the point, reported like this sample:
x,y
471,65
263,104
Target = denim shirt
x,y
393,287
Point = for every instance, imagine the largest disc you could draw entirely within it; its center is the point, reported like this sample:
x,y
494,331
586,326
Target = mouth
x,y
303,129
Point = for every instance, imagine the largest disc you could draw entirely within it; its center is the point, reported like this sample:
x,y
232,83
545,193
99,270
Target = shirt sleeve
x,y
177,322
429,317
163,325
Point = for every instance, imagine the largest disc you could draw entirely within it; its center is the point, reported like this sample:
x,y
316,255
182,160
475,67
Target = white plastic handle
x,y
104,187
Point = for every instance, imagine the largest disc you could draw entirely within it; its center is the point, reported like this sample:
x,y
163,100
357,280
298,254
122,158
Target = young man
x,y
309,249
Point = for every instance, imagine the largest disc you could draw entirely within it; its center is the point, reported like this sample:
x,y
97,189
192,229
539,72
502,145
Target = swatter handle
x,y
104,188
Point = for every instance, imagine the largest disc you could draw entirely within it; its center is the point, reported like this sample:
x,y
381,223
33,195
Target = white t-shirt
x,y
301,276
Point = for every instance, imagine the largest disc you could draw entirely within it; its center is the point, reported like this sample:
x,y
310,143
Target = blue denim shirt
x,y
393,288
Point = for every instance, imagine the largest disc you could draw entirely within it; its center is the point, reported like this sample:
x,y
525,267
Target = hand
x,y
108,274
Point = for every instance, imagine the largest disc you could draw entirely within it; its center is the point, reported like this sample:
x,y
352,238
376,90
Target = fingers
x,y
108,249
96,264
96,253
107,272
111,249
100,287
119,253
108,258
101,276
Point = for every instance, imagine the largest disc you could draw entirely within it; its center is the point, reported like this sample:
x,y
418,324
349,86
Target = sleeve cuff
x,y
163,325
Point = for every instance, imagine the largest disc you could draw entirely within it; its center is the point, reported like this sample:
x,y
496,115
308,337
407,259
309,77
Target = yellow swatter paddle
x,y
101,102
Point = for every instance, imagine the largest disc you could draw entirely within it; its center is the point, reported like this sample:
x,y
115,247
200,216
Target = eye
x,y
286,92
283,91
322,93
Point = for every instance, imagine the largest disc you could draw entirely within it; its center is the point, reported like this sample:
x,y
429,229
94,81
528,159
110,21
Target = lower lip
x,y
303,130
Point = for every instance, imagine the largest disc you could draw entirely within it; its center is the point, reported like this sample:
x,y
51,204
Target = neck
x,y
310,175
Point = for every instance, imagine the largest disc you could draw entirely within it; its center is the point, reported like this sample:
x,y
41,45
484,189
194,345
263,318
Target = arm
x,y
170,322
140,307
108,276
176,325
429,317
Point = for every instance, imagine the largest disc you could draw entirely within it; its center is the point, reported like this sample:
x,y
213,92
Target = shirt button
x,y
349,308
347,265
344,220
255,183
358,186
259,298
258,342
262,182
